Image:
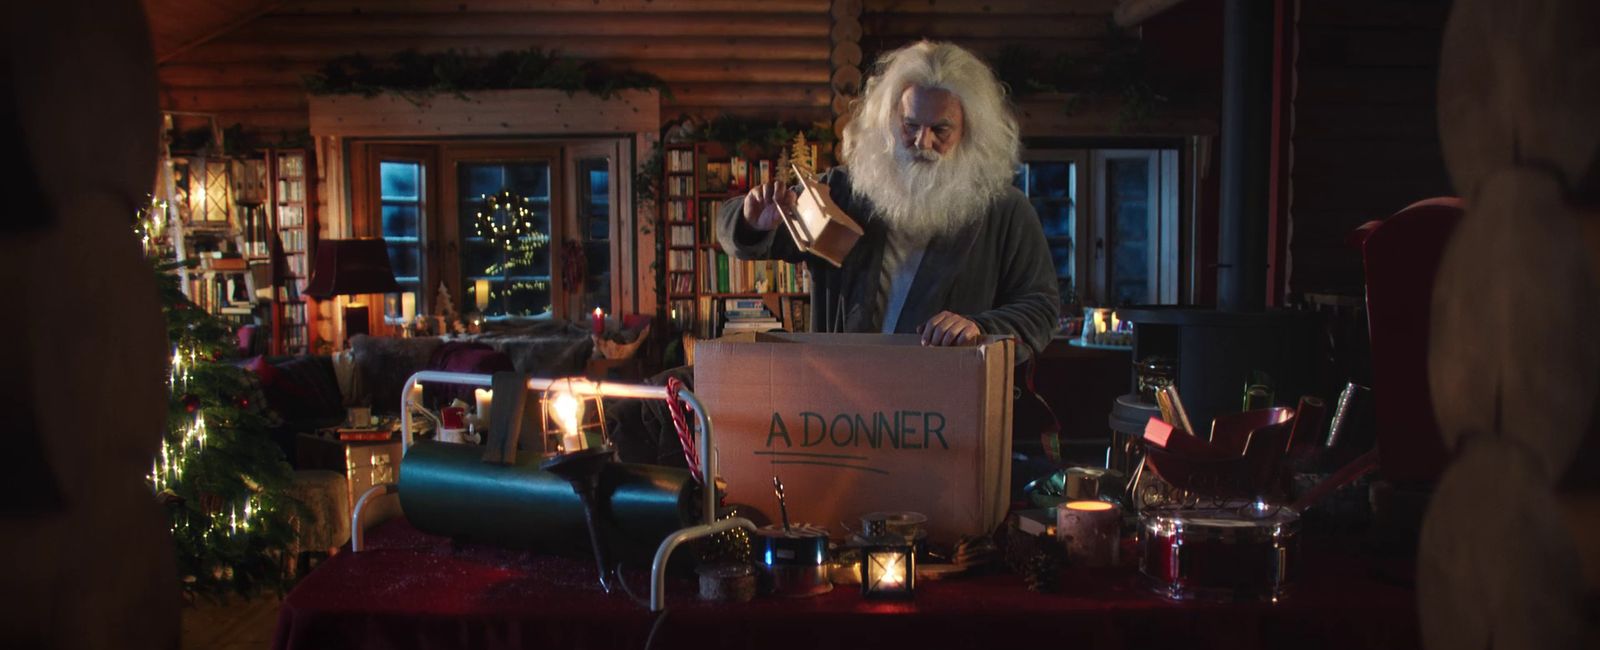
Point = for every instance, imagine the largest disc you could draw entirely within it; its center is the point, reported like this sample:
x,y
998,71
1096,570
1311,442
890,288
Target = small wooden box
x,y
818,226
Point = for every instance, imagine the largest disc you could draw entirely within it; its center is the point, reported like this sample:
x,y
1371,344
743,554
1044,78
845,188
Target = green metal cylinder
x,y
446,489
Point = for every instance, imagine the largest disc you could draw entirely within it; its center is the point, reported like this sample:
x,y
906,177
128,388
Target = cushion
x,y
385,364
297,388
462,356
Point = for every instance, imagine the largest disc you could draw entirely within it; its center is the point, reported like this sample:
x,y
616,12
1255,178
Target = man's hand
x,y
761,205
949,328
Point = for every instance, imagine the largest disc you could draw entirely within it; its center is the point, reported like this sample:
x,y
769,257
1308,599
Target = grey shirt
x,y
997,271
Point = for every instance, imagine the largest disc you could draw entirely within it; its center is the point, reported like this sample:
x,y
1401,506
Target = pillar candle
x,y
1091,531
483,397
416,394
408,306
480,292
599,321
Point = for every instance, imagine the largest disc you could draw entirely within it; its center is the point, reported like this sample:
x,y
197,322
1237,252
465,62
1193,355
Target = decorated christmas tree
x,y
219,475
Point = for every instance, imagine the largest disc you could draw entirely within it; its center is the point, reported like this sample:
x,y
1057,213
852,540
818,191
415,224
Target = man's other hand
x,y
949,328
761,205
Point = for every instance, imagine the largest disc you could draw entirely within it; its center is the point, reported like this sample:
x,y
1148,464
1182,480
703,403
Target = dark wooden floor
x,y
233,625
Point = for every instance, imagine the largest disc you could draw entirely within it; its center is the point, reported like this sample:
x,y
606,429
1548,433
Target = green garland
x,y
1119,71
417,75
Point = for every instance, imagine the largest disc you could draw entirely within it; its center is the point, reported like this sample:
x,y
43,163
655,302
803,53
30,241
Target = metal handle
x,y
356,531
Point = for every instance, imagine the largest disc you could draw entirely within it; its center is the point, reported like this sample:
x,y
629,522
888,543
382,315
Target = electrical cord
x,y
655,627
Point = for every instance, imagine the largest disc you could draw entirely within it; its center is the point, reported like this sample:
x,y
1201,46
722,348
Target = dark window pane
x,y
529,179
399,180
1062,254
1050,179
1055,215
1128,181
399,220
406,262
481,180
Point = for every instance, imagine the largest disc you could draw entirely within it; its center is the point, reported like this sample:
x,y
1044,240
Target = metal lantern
x,y
888,566
574,416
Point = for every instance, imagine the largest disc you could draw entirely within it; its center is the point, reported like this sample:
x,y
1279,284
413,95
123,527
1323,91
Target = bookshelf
x,y
704,284
291,186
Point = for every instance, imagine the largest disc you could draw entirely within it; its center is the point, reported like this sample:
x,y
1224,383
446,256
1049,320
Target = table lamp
x,y
348,267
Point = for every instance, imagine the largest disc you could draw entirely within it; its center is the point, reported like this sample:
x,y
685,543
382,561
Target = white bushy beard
x,y
922,195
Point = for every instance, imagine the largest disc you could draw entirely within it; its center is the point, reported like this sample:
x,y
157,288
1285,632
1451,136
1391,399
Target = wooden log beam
x,y
557,6
498,112
1014,7
674,47
1131,13
718,94
977,25
300,27
200,75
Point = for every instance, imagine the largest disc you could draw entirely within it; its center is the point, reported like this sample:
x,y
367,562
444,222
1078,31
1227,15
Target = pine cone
x,y
1041,572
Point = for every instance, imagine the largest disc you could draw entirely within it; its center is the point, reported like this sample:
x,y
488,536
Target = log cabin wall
x,y
1365,140
766,59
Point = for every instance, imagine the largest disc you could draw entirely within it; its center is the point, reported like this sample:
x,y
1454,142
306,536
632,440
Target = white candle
x,y
481,293
484,398
416,394
408,306
569,413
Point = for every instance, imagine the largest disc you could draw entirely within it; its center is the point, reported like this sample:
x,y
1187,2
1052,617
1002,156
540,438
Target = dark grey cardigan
x,y
997,272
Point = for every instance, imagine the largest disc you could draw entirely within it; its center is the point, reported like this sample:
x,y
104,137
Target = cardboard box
x,y
858,423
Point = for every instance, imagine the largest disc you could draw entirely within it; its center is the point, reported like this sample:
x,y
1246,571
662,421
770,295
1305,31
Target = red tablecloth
x,y
411,590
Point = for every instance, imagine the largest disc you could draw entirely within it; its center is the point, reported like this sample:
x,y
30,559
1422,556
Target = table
x,y
412,590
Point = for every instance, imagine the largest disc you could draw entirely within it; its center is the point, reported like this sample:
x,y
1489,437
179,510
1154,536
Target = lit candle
x,y
480,291
1091,531
408,306
1116,323
599,321
416,394
484,398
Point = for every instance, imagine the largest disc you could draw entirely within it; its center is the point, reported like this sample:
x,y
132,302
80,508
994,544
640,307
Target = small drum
x,y
1238,552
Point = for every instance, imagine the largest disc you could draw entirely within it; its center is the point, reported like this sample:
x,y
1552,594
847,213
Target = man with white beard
x,y
951,249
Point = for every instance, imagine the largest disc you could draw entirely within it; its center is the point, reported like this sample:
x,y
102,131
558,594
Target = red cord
x,y
676,406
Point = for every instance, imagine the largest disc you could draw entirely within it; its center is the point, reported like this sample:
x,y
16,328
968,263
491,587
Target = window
x,y
401,204
498,217
1111,219
513,197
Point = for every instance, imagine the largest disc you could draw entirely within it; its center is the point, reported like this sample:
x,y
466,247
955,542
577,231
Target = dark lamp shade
x,y
351,266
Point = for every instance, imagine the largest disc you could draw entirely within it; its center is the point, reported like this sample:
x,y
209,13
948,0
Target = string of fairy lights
x,y
506,220
176,456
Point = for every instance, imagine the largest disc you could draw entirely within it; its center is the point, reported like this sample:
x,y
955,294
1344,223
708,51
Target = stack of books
x,y
747,315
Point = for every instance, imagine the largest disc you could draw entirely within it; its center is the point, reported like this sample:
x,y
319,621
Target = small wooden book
x,y
817,225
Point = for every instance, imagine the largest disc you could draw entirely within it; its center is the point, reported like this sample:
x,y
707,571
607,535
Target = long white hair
x,y
924,200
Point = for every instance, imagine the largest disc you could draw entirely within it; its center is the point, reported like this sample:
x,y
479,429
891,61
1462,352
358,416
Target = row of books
x,y
747,315
291,216
294,327
737,174
681,282
680,160
213,293
680,186
294,241
293,190
710,316
678,210
681,261
721,274
680,235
